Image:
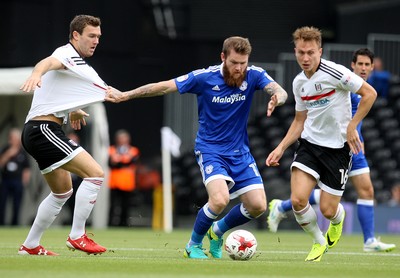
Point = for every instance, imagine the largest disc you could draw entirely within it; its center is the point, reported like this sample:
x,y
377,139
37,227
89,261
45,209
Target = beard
x,y
231,80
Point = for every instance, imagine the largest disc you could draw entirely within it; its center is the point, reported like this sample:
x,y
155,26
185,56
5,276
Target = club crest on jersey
x,y
243,87
209,169
318,87
347,80
182,78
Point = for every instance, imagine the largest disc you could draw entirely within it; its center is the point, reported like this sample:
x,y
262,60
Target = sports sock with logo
x,y
307,219
47,212
85,199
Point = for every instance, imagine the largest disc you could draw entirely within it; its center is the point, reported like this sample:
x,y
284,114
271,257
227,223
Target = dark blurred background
x,y
139,45
147,41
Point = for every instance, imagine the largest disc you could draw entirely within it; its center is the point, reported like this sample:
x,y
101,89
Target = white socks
x,y
47,212
85,199
307,219
339,215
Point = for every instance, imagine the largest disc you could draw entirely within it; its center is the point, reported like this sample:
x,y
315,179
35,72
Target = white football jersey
x,y
326,97
69,89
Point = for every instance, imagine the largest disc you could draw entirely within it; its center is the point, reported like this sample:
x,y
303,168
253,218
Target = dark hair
x,y
239,44
81,21
363,52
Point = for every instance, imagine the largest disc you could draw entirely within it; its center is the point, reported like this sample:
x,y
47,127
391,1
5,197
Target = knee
x,y
98,173
298,203
218,203
256,210
328,212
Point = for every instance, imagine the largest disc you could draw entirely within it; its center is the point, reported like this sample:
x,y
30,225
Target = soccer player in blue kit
x,y
224,94
362,65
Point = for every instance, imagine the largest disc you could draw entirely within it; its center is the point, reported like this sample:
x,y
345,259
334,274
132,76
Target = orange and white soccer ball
x,y
241,245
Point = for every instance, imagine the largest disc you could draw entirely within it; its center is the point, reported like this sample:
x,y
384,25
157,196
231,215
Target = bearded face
x,y
232,76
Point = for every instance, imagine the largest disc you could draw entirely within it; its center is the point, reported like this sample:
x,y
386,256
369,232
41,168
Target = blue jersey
x,y
222,110
355,101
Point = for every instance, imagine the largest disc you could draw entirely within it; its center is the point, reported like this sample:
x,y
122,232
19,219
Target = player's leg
x,y
365,211
253,204
250,189
302,185
86,167
46,142
218,199
332,209
60,184
278,209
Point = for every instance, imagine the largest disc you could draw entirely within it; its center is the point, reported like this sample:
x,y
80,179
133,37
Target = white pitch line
x,y
273,252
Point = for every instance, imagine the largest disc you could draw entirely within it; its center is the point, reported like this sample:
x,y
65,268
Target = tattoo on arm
x,y
274,89
144,91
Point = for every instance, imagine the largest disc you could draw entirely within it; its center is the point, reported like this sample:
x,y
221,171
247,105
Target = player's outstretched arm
x,y
35,79
291,136
149,90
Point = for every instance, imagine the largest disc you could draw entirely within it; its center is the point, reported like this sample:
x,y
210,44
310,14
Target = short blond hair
x,y
308,33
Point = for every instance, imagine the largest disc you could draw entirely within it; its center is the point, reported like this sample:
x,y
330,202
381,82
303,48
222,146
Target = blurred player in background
x,y
327,136
362,65
15,173
224,94
64,83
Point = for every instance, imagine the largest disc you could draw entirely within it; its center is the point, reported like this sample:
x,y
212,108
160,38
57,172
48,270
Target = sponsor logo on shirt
x,y
215,88
318,103
229,99
318,100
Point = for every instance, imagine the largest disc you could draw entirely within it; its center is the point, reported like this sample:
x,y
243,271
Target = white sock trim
x,y
365,202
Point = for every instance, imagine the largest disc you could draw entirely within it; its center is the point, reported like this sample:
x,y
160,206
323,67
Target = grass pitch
x,y
134,252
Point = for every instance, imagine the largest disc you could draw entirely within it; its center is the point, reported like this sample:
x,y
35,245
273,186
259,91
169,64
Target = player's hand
x,y
77,119
272,104
353,139
274,157
113,95
31,83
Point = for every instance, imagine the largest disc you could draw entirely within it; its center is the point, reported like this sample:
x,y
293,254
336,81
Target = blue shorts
x,y
359,165
239,171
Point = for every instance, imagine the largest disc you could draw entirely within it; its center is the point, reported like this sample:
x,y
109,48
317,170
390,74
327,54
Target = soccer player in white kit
x,y
224,94
327,136
63,83
359,174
